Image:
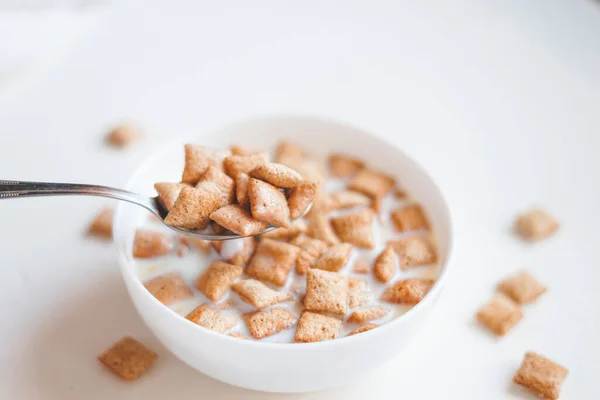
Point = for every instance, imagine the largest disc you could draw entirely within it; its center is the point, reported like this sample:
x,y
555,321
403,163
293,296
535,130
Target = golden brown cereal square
x,y
193,207
277,175
297,227
343,166
217,278
347,199
313,327
128,358
326,291
102,225
241,189
235,165
311,249
407,291
289,154
372,183
414,251
364,328
211,318
409,218
541,375
123,135
320,228
266,323
238,220
500,314
536,225
522,288
168,192
367,314
225,185
258,294
361,266
242,257
355,228
334,258
268,204
203,246
198,159
272,261
300,198
384,267
169,288
148,244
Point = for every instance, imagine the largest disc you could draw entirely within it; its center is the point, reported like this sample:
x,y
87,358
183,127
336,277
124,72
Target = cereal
x,y
193,207
258,294
203,246
367,314
168,192
217,278
268,203
361,266
235,165
355,228
311,249
334,258
101,226
372,183
217,245
289,154
326,291
344,166
224,184
347,199
123,135
320,228
266,323
169,288
238,335
414,251
364,328
300,198
197,161
500,315
407,291
128,358
277,175
313,327
242,257
211,318
357,283
148,244
239,150
522,288
358,298
409,218
241,187
384,267
536,225
235,218
216,228
272,261
296,228
541,375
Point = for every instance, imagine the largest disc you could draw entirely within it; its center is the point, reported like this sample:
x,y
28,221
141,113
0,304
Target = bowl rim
x,y
127,272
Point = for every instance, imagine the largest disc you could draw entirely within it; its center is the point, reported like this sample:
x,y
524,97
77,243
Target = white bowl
x,y
276,367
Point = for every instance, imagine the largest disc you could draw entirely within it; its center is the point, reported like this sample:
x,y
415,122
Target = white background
x,y
498,100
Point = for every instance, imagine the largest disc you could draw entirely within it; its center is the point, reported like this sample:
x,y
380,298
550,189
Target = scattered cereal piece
x,y
193,207
326,291
311,249
384,267
372,183
347,199
169,288
361,266
242,257
239,150
147,244
297,227
407,291
314,327
289,154
258,294
367,314
355,228
266,323
410,217
123,135
500,314
320,228
238,335
414,251
198,159
300,198
102,225
168,192
128,358
277,175
203,246
536,225
211,318
344,166
241,187
268,203
272,261
225,185
522,288
362,329
334,258
541,375
235,218
235,165
217,278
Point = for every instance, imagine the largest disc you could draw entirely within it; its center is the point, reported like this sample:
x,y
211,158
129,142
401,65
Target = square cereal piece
x,y
266,323
536,225
355,228
371,182
128,358
272,261
414,251
198,159
268,204
500,315
334,258
217,278
235,165
203,246
169,288
541,375
289,154
277,175
296,228
326,291
211,318
148,244
361,329
258,294
347,199
241,189
343,166
320,228
361,266
168,192
314,327
522,288
193,207
301,197
123,135
239,150
367,314
407,291
101,226
225,185
241,257
384,267
409,218
310,250
235,218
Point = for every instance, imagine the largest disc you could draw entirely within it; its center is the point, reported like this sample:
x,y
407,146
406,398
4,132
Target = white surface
x,y
499,100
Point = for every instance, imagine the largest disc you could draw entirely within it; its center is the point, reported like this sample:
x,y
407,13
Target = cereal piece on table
x,y
289,154
367,314
193,207
198,159
211,318
168,288
326,291
217,278
407,291
343,166
238,335
320,228
500,314
372,183
277,175
235,165
300,198
242,257
355,228
364,328
334,258
361,266
522,288
384,267
310,250
148,244
102,225
225,185
268,203
168,192
414,251
541,375
313,327
238,220
296,228
239,150
241,188
123,135
347,199
409,218
203,246
272,261
258,294
266,323
536,225
128,358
